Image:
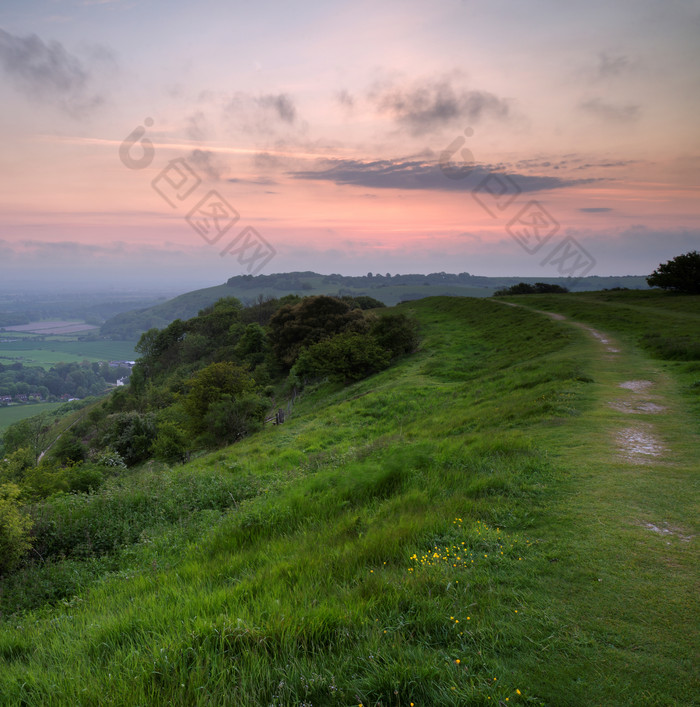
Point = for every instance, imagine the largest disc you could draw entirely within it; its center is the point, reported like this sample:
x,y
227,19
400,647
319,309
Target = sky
x,y
169,144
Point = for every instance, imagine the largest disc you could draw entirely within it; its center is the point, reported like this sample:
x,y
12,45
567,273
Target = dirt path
x,y
635,405
637,442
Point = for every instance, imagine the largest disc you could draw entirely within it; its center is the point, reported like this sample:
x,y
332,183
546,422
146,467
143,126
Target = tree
x,y
227,420
218,381
345,357
524,288
253,345
680,274
396,332
308,322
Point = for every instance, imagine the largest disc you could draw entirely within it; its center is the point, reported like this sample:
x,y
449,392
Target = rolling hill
x,y
386,288
507,516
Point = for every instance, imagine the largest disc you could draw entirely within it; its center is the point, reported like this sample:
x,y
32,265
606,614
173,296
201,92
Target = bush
x,y
131,435
171,444
397,333
68,449
14,528
346,357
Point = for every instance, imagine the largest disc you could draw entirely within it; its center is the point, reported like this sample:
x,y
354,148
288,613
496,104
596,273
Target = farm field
x,y
14,413
53,327
32,352
508,516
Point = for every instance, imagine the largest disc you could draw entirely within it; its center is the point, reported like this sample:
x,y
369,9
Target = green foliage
x,y
253,345
362,302
14,466
15,527
172,443
680,274
126,507
131,435
345,357
44,480
68,450
229,419
398,333
218,381
62,379
110,459
85,477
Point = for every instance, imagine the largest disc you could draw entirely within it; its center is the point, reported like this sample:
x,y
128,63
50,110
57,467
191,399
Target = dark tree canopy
x,y
680,274
308,322
525,288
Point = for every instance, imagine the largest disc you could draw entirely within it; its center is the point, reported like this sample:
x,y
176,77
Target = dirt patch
x,y
52,327
645,408
636,386
602,338
552,315
668,530
638,446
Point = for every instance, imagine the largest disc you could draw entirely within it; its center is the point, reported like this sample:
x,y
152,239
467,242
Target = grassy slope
x,y
307,593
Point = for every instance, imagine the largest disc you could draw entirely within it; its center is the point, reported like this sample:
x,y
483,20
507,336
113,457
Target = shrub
x,y
229,419
14,528
345,357
171,444
131,434
397,333
68,449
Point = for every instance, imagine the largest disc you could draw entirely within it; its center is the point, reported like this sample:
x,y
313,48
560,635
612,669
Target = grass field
x,y
461,529
32,352
14,413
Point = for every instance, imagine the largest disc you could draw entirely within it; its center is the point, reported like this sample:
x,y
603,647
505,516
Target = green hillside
x,y
386,288
465,527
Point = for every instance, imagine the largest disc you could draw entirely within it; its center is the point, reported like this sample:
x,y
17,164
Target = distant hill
x,y
390,289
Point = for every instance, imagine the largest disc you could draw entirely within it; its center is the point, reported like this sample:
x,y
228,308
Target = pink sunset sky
x,y
326,125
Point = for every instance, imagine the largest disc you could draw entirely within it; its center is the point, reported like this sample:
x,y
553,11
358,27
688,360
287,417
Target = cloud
x,y
260,114
346,100
282,104
207,162
419,175
609,66
595,209
196,126
261,181
435,103
47,72
610,112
